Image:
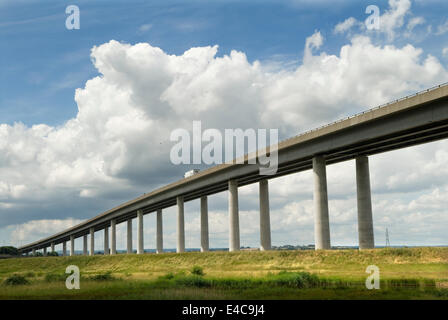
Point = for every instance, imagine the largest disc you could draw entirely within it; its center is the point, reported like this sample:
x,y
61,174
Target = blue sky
x,y
43,63
48,179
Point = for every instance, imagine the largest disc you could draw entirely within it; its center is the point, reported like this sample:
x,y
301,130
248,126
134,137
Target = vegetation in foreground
x,y
412,273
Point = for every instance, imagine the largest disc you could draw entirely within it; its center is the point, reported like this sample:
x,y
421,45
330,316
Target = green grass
x,y
411,273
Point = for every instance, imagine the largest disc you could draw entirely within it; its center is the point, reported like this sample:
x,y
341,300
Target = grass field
x,y
410,273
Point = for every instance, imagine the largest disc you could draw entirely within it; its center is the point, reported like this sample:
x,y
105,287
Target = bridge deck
x,y
413,120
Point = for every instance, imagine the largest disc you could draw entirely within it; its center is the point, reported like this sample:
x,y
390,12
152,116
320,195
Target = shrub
x,y
167,276
443,293
9,250
52,254
16,280
197,271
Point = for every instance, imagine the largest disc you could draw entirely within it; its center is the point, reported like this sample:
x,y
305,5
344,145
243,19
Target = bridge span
x,y
413,120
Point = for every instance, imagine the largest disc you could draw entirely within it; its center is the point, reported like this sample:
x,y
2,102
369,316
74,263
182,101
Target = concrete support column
x,y
64,248
321,220
34,252
365,220
84,245
234,223
180,225
52,247
129,242
45,251
92,241
265,220
204,225
140,248
159,232
72,245
106,240
113,236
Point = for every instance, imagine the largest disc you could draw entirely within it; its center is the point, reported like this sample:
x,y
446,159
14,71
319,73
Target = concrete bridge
x,y
409,121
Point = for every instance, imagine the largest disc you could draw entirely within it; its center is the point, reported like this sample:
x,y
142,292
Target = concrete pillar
x,y
64,248
180,225
72,245
159,232
129,242
113,236
365,220
84,245
265,220
52,247
321,220
92,242
34,252
106,240
45,251
234,223
204,224
140,249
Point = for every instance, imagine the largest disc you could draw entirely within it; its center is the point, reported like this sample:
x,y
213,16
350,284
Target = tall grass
x,y
295,280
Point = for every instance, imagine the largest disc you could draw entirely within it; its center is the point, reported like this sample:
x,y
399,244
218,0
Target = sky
x,y
86,114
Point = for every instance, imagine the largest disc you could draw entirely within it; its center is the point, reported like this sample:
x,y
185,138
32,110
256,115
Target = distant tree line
x,y
9,250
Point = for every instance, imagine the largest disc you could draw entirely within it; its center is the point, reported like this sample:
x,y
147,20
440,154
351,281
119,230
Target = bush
x,y
9,250
197,271
38,254
167,276
52,254
16,280
443,293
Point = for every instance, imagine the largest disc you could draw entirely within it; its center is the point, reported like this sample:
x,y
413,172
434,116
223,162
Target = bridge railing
x,y
369,110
